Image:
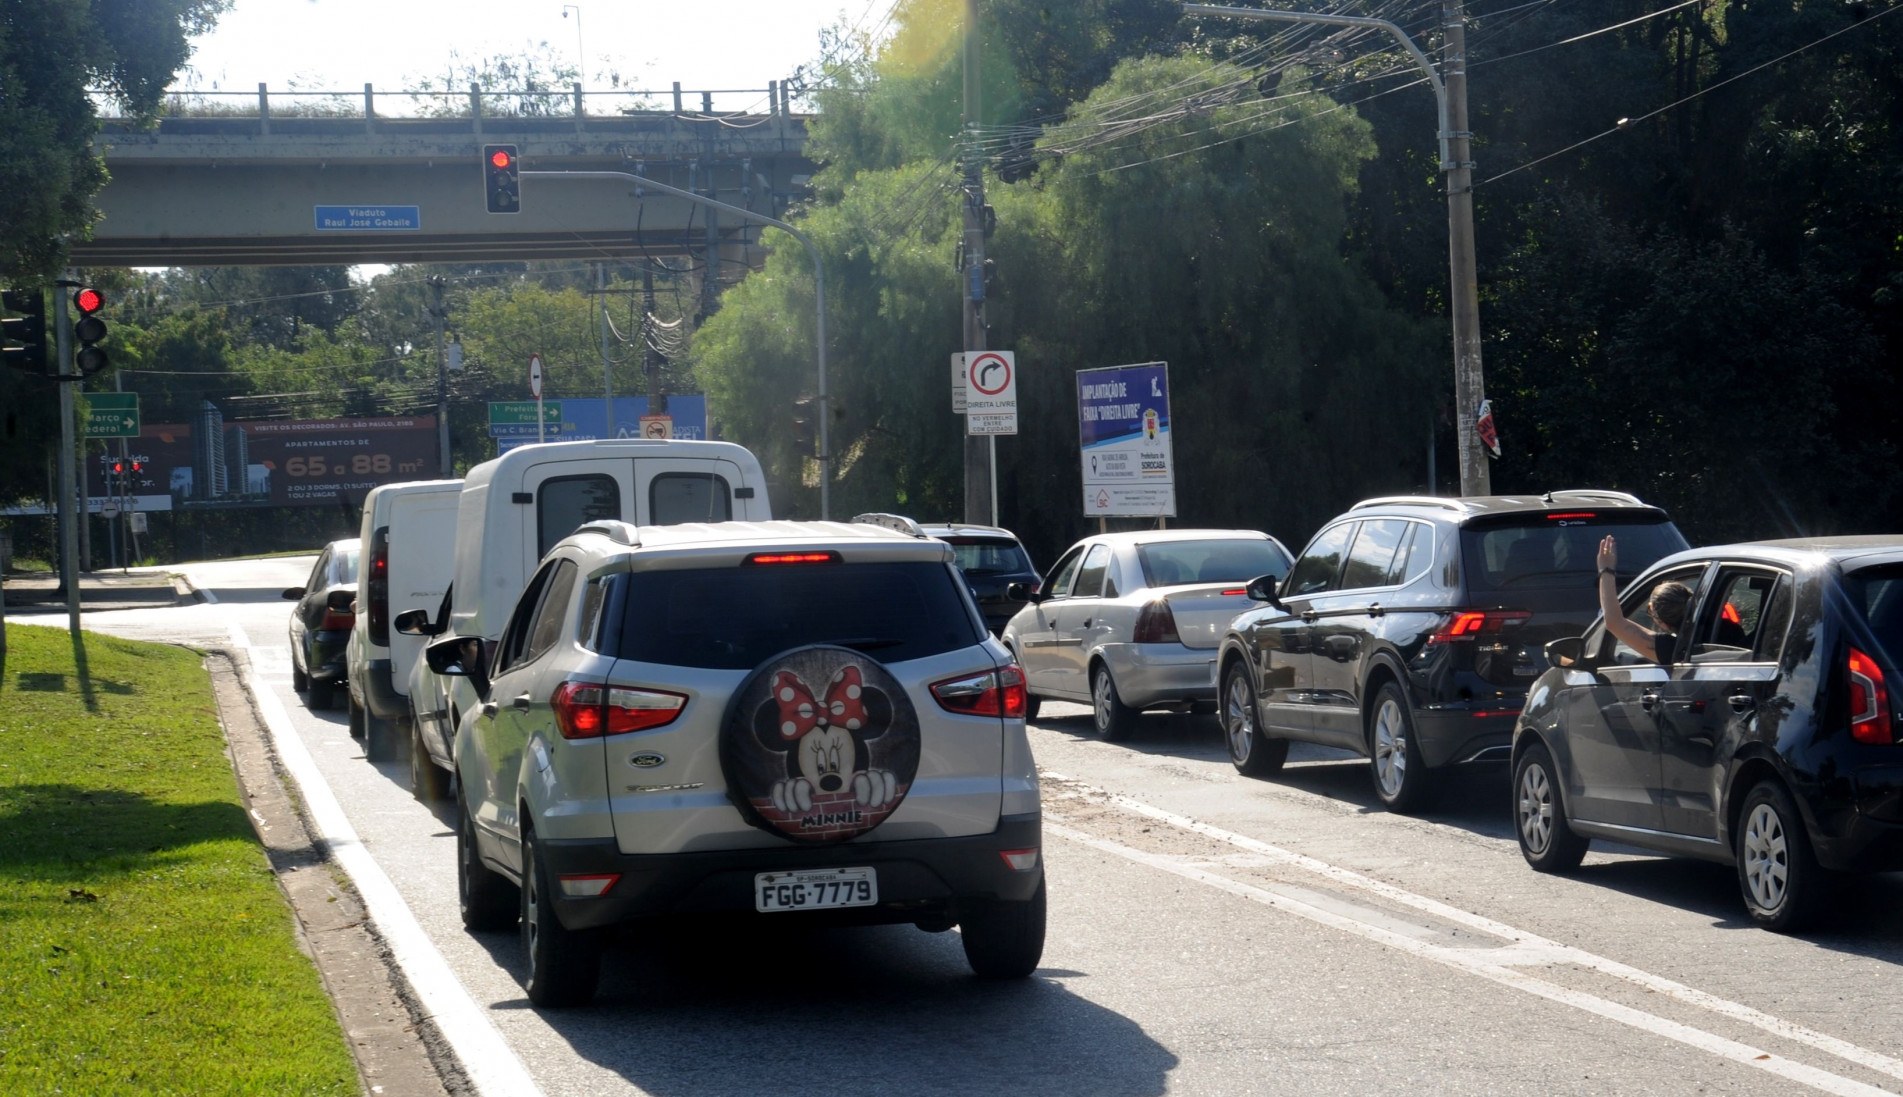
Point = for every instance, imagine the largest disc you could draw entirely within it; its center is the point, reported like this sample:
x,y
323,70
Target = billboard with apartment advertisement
x,y
268,462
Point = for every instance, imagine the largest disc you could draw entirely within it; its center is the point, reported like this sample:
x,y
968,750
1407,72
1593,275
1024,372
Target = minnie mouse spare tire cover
x,y
820,745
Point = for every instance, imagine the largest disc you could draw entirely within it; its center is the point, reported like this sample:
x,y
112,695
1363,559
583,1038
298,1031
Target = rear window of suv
x,y
1556,549
988,555
735,618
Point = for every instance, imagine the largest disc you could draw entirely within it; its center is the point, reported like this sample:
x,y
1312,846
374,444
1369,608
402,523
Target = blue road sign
x,y
368,218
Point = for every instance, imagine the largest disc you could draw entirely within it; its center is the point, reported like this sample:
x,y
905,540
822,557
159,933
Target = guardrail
x,y
774,100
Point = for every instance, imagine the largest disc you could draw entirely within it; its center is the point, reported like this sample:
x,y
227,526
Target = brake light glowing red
x,y
991,693
1472,624
1869,701
1156,624
1571,515
589,710
793,558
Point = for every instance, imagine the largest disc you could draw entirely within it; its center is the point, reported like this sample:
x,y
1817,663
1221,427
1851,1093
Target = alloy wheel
x,y
1390,747
1238,718
1766,857
1536,809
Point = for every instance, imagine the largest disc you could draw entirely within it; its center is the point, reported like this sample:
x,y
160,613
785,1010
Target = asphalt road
x,y
1209,934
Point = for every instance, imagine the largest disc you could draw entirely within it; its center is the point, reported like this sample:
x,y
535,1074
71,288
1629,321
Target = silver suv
x,y
798,720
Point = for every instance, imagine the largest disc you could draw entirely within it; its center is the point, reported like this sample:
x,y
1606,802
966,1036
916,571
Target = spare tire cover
x,y
820,745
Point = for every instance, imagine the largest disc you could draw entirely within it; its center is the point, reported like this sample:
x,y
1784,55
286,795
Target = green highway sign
x,y
507,412
112,415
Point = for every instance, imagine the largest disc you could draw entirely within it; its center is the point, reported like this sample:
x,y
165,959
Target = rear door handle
x,y
1742,702
488,708
1309,615
521,703
1376,610
1648,700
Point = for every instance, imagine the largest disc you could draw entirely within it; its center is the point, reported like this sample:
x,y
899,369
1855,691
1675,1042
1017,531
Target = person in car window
x,y
1667,605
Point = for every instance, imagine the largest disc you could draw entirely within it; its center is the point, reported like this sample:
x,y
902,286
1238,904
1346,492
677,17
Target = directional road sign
x,y
112,415
523,411
991,392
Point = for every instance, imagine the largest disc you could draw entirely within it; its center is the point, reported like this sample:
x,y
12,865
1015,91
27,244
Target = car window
x,y
1210,560
1556,549
1414,556
1729,624
1775,622
675,497
1877,593
1064,573
1636,611
1090,576
1316,570
593,599
1372,555
735,618
320,571
989,556
548,616
514,643
564,503
343,566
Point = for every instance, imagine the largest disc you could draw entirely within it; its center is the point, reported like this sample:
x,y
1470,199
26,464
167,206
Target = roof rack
x,y
1412,501
616,530
1594,493
897,522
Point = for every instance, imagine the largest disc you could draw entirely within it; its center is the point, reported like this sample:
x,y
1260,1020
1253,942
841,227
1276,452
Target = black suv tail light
x,y
1869,700
589,710
1156,624
1474,624
992,693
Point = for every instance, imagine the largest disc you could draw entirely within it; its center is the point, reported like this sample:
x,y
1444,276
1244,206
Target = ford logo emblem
x,y
647,760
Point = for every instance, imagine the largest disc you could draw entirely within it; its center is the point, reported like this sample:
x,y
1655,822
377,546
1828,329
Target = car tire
x,y
356,720
1402,781
1033,704
1547,841
1253,753
300,682
1005,939
486,900
564,965
1113,720
323,695
429,782
379,737
1782,882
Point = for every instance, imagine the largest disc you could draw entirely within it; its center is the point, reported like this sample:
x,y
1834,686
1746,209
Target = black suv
x,y
1410,627
991,559
1767,738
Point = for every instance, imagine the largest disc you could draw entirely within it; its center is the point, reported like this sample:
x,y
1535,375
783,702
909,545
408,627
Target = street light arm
x,y
1272,15
819,282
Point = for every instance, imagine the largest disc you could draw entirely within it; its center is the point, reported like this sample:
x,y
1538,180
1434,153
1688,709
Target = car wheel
x,y
1546,841
1253,753
1401,779
564,964
1780,876
486,900
300,681
323,695
356,719
1112,719
379,737
1005,940
429,782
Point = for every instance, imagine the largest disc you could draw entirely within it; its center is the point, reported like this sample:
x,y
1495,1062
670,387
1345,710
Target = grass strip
x,y
144,945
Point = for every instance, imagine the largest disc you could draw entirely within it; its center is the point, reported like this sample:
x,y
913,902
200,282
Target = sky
x,y
340,45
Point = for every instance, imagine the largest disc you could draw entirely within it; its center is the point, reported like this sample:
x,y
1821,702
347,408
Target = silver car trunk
x,y
1204,611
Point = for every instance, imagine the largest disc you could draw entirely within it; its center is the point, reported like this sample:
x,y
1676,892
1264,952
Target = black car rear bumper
x,y
923,880
1871,837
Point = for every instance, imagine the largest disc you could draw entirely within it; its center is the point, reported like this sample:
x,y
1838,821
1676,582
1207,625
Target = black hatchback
x,y
1767,739
1410,628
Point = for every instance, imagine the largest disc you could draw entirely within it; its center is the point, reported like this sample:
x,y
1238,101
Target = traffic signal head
x,y
25,335
88,330
502,178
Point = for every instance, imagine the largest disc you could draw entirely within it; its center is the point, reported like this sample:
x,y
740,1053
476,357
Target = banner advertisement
x,y
1123,431
269,462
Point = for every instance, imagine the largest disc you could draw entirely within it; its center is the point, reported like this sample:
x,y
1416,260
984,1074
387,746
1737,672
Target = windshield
x,y
1553,550
1216,560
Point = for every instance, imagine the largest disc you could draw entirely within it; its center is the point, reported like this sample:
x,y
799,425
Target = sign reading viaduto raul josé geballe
x,y
1123,433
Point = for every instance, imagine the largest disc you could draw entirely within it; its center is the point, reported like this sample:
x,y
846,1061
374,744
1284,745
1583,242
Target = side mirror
x,y
1262,588
1569,651
293,593
462,657
342,600
1025,592
414,622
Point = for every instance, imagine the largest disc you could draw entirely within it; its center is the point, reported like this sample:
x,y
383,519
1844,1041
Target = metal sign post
x,y
535,387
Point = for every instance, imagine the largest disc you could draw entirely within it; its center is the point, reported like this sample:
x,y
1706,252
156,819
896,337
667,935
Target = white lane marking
x,y
492,1066
1528,949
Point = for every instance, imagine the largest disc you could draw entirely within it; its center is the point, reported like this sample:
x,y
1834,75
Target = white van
x,y
406,532
515,507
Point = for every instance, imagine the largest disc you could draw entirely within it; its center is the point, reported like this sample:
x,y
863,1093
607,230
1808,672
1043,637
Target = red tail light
x,y
993,693
1869,701
793,558
1472,624
589,710
377,589
1156,624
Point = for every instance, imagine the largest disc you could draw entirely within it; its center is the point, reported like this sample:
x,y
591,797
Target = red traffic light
x,y
501,158
88,300
118,466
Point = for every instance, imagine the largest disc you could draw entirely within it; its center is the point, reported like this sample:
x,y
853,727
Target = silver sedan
x,y
1129,621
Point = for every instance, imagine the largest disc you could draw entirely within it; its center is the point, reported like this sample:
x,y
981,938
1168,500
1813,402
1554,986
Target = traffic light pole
x,y
68,481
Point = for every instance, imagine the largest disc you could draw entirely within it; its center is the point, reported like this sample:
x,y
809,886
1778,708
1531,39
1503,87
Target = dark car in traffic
x,y
321,623
1762,736
1410,628
990,557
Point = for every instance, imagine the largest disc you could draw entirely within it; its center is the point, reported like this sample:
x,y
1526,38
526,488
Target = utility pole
x,y
980,450
1469,379
440,314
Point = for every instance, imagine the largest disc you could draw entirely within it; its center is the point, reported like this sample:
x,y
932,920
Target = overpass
x,y
253,188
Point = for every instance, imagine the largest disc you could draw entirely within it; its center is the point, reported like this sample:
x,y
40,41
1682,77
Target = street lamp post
x,y
581,56
819,285
1456,163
